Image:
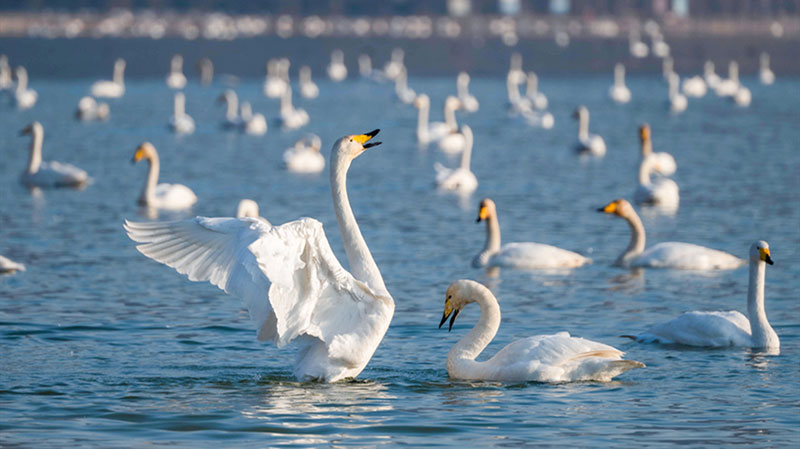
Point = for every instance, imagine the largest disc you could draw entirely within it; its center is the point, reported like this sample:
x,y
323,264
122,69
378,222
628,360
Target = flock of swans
x,y
295,289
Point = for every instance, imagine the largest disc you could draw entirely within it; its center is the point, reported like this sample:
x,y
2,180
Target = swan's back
x,y
558,358
593,145
686,256
56,174
536,255
661,192
459,179
705,329
303,160
173,196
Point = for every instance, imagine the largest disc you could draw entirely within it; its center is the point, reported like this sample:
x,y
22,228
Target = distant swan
x,y
765,74
89,109
231,101
663,163
276,83
48,174
337,71
694,87
161,196
176,79
181,122
720,329
114,88
525,255
304,156
676,101
683,256
543,358
452,142
8,266
288,277
404,93
460,179
590,144
291,117
23,97
619,92
538,99
428,131
206,68
308,89
249,208
253,124
468,101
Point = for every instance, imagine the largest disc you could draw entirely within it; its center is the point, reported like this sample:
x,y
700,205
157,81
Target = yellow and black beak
x,y
609,208
138,155
483,213
449,312
363,138
765,255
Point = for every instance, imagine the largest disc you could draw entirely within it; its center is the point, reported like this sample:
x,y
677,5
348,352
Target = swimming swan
x,y
289,278
115,88
291,117
663,163
48,174
428,132
720,329
459,179
181,122
543,358
89,109
765,74
525,255
538,99
8,266
618,91
304,156
683,256
23,97
308,89
249,208
253,124
676,101
176,79
590,144
337,71
468,101
454,141
231,101
161,196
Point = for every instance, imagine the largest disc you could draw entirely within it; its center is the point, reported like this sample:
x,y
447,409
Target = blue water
x,y
101,347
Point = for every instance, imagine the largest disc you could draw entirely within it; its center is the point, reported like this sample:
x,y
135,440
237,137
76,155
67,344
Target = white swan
x,y
428,132
590,144
676,101
6,79
304,156
543,358
721,329
661,192
517,104
291,117
538,99
404,93
8,266
89,109
453,142
115,88
468,101
459,179
694,87
308,89
288,276
667,68
365,65
337,71
395,64
729,86
275,84
249,208
23,97
636,47
525,255
683,256
48,174
181,122
765,74
515,73
742,97
618,91
206,68
231,101
253,124
161,196
176,79
711,77
662,163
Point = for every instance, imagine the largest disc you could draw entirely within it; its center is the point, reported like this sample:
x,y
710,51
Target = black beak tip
x,y
601,209
444,318
769,260
371,144
478,220
373,133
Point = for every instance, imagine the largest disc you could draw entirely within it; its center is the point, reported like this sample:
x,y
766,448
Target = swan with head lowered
x,y
588,144
249,208
288,277
181,122
677,255
460,179
115,88
522,255
161,196
721,329
48,174
543,358
176,79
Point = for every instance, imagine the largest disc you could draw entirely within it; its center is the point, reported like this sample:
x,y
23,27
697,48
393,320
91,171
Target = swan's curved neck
x,y
762,333
463,88
645,169
637,243
647,147
513,90
492,244
450,118
35,157
286,102
533,86
673,86
22,81
149,190
466,155
362,265
179,106
422,122
583,125
119,74
461,358
233,104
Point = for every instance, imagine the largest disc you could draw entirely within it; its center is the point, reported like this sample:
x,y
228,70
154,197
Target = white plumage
x,y
249,208
304,156
114,88
24,97
89,109
468,101
428,132
459,179
543,358
161,196
48,174
181,122
618,91
8,266
337,71
589,144
253,124
176,79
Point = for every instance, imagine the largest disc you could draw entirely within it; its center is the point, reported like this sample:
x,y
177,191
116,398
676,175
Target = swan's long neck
x,y
450,118
22,81
149,190
583,125
619,75
492,244
286,102
513,90
764,61
647,147
233,105
179,106
673,86
636,245
462,87
533,86
645,169
461,358
362,265
466,155
763,334
119,74
733,72
35,157
422,122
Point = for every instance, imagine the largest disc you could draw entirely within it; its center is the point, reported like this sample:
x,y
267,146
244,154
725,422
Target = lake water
x,y
101,347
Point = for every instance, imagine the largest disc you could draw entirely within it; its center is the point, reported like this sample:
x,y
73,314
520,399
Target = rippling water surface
x,y
103,347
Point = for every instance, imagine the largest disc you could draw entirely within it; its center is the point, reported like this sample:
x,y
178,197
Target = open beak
x,y
768,260
363,138
452,314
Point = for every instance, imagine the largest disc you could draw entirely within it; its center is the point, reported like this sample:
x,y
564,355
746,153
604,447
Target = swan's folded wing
x,y
310,292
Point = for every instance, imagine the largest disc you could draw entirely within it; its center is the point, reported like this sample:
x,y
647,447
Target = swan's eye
x,y
449,296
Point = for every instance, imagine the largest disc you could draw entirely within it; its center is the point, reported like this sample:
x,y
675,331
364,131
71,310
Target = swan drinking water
x,y
289,278
525,255
590,144
677,255
48,174
460,179
114,88
720,329
543,358
161,196
619,92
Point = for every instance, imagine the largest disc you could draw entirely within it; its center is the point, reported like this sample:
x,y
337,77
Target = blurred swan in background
x,y
89,109
291,117
404,93
661,192
253,124
206,68
23,97
636,47
275,84
181,122
729,86
231,101
8,266
619,92
114,88
710,76
337,71
538,100
176,79
694,87
289,278
452,142
428,131
677,102
161,196
6,78
589,144
249,209
765,74
662,163
460,179
395,64
543,358
523,255
677,255
468,101
48,174
304,156
308,89
721,329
